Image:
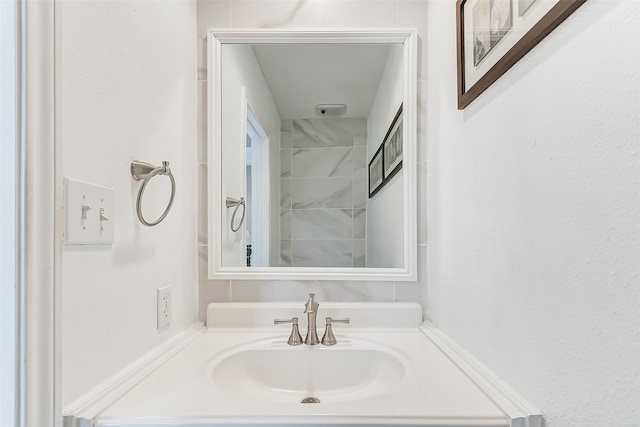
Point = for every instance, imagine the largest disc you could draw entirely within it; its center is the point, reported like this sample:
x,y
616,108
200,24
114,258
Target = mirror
x,y
312,137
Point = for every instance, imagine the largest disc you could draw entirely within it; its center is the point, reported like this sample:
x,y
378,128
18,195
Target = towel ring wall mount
x,y
141,171
230,202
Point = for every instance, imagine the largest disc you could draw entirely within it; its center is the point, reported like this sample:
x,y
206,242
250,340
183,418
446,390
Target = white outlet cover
x,y
163,298
89,213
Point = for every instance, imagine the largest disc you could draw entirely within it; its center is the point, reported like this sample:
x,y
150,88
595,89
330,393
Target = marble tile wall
x,y
323,192
313,14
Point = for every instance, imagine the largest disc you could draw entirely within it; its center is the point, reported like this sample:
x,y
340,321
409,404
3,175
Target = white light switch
x,y
88,213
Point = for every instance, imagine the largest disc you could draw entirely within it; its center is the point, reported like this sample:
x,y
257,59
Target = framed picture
x,y
493,35
376,172
392,157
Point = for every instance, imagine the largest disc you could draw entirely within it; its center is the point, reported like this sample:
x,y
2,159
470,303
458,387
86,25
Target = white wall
x,y
309,14
8,212
534,245
241,71
385,210
126,89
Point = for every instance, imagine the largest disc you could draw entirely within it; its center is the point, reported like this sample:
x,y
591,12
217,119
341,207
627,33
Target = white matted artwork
x,y
492,19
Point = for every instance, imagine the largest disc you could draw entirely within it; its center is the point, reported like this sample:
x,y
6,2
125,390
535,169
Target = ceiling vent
x,y
331,110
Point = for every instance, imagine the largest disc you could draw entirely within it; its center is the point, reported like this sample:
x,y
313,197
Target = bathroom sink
x,y
290,374
383,371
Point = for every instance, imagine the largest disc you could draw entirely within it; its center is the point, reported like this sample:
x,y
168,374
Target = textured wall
x,y
309,14
323,192
125,90
534,236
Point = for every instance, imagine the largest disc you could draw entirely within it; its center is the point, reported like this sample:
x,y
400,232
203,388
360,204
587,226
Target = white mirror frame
x,y
215,39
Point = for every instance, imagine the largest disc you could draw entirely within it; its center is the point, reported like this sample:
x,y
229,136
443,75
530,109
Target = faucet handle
x,y
311,306
295,338
328,338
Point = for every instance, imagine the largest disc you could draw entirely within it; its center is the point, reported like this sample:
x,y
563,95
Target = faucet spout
x,y
311,308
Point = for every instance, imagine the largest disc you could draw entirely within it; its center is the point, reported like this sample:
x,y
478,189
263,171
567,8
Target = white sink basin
x,y
385,370
282,373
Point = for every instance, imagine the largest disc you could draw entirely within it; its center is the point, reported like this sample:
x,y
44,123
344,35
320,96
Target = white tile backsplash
x,y
311,253
326,224
312,13
360,224
322,162
203,224
209,290
415,291
360,160
285,253
285,163
319,193
359,253
421,134
285,225
325,173
285,135
285,194
422,203
318,133
360,190
297,291
201,121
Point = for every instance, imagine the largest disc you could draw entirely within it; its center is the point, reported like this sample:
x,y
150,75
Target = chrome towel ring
x,y
141,171
231,202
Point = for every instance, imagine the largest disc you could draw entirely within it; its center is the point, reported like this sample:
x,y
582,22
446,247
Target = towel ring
x,y
141,171
231,202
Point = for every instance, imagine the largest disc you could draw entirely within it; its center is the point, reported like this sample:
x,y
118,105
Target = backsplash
x,y
323,192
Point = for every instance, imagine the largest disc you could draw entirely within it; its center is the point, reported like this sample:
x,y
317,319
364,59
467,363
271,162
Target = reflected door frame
x,y
258,199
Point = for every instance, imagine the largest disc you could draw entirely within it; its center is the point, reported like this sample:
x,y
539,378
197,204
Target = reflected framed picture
x,y
376,172
392,157
493,35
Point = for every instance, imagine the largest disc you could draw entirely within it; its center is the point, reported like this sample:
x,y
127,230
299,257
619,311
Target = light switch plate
x,y
89,213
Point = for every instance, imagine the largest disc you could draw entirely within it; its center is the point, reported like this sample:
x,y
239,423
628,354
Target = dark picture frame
x,y
481,60
393,147
376,172
387,161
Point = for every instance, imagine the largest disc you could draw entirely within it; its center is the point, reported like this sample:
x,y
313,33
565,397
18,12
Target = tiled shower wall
x,y
311,14
323,192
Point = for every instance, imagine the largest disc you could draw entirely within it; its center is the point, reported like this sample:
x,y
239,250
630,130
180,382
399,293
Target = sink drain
x,y
310,400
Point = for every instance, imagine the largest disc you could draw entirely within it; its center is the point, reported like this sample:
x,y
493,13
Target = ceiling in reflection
x,y
301,76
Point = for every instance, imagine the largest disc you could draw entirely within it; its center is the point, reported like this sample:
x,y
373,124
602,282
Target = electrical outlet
x,y
164,306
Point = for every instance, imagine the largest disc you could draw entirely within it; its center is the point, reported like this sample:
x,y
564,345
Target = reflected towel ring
x,y
141,171
231,202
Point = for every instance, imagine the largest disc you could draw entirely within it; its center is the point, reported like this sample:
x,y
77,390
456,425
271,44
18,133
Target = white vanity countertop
x,y
433,391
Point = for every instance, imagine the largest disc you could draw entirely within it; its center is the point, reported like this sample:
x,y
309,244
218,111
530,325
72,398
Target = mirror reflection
x,y
300,126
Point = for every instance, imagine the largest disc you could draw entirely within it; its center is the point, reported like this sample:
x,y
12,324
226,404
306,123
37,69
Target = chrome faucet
x,y
311,308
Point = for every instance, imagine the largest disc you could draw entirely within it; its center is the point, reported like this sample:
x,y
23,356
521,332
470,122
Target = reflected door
x,y
257,179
